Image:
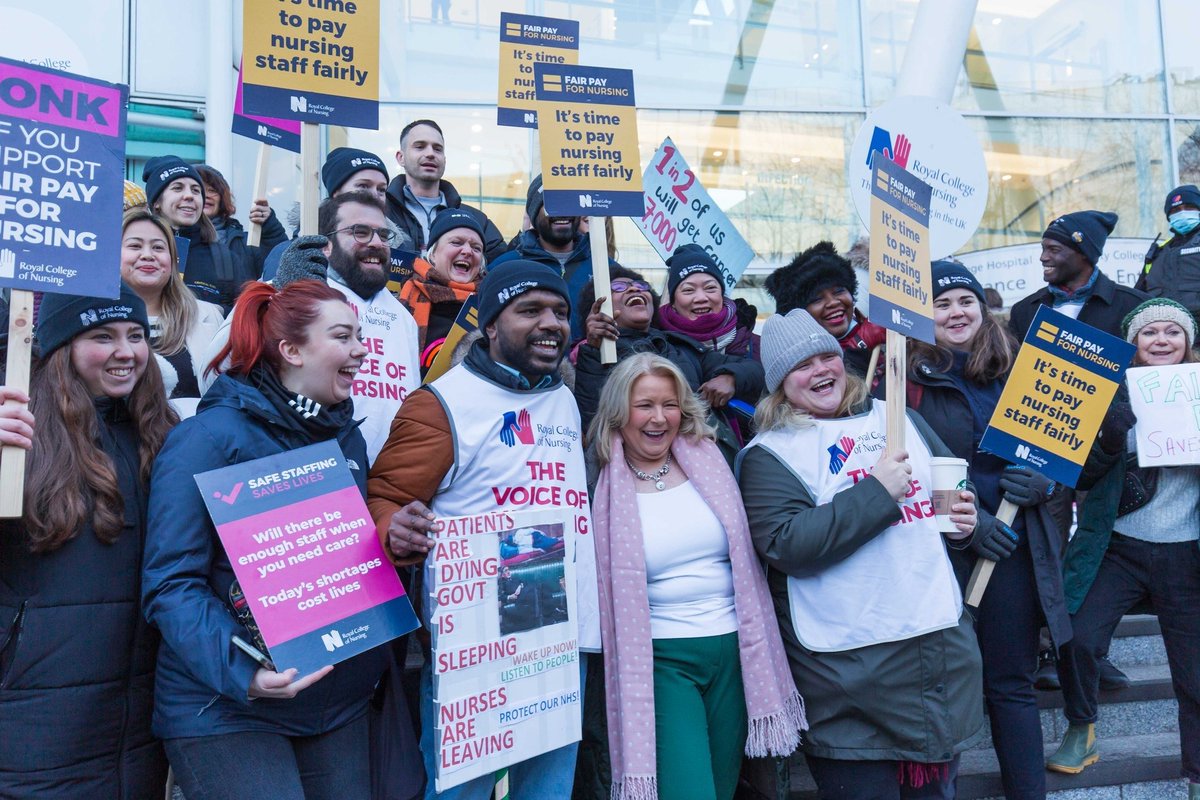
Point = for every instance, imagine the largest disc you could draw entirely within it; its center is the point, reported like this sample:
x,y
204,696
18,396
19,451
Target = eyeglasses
x,y
622,285
364,233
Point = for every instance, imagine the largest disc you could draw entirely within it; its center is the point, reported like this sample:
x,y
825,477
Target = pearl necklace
x,y
657,476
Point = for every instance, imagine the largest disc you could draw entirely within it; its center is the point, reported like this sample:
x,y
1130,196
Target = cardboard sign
x,y
679,210
933,142
284,133
465,323
505,641
305,551
1059,390
400,269
1166,401
901,281
525,41
587,125
313,62
62,169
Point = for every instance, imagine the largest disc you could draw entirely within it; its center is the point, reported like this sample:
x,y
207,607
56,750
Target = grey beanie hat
x,y
787,340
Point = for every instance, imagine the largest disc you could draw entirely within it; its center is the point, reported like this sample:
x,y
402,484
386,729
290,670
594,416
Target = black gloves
x,y
1024,487
302,260
994,543
1117,422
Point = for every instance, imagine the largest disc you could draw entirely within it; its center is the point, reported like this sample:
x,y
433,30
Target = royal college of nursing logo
x,y
881,141
839,453
515,427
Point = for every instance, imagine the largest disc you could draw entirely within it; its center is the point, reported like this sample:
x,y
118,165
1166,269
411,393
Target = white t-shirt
x,y
689,580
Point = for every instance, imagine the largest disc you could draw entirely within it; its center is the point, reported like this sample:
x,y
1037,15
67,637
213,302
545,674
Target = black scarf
x,y
304,413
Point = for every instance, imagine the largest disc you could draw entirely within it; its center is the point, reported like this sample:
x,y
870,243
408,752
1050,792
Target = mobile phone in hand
x,y
254,653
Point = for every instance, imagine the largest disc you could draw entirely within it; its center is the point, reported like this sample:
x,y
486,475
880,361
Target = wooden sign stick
x,y
982,573
602,282
20,350
254,237
895,376
310,168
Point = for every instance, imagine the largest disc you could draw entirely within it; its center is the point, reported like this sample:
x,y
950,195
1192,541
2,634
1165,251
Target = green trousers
x,y
699,717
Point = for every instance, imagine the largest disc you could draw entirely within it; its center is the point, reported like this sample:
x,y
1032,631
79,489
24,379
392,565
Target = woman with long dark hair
x,y
225,720
955,384
76,655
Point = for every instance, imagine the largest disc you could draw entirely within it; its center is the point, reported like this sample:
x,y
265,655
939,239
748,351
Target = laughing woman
x,y
872,619
225,721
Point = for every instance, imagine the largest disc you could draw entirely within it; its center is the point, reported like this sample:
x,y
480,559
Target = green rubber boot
x,y
1077,751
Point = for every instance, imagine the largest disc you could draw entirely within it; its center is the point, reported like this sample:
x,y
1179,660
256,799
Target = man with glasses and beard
x,y
501,418
352,255
556,242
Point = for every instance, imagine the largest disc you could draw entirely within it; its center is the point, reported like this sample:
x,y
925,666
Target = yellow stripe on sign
x,y
1045,337
1048,328
513,29
882,182
552,83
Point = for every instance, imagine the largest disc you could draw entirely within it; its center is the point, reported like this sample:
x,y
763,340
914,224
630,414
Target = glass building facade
x,y
1076,103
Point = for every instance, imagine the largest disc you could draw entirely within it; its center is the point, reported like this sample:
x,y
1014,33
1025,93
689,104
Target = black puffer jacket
x,y
494,244
77,657
217,272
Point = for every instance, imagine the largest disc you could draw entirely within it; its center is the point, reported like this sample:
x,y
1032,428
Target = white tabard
x,y
392,367
497,433
896,586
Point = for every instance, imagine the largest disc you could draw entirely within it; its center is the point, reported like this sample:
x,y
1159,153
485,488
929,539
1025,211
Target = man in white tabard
x,y
476,428
352,255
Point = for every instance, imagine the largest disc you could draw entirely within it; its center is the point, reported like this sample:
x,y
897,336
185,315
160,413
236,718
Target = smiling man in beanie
x,y
1173,266
1071,246
460,442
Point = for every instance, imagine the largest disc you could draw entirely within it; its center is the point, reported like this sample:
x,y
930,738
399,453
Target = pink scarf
x,y
774,707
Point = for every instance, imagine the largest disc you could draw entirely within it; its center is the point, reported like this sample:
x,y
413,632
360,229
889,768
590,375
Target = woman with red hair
x,y
225,720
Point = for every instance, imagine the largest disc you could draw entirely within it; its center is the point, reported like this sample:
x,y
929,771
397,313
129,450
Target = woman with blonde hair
x,y
181,327
872,618
695,672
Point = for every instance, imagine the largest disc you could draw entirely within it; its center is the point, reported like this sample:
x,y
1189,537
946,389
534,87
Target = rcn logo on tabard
x,y
515,427
839,453
881,141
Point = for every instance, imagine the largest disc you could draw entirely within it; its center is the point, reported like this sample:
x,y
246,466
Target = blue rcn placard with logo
x,y
1057,394
62,169
587,128
901,280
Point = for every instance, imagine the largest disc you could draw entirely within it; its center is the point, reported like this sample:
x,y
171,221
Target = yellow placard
x,y
525,41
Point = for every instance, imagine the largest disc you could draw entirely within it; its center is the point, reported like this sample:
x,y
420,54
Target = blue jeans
x,y
1132,572
549,776
232,766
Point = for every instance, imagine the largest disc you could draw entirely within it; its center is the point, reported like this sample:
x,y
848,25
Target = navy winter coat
x,y
76,656
202,681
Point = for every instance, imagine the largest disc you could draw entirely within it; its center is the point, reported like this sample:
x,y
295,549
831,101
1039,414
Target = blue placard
x,y
62,170
901,283
314,107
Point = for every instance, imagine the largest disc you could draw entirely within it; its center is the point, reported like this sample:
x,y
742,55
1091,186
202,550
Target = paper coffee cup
x,y
949,478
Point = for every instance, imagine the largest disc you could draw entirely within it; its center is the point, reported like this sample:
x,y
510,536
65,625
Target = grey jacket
x,y
920,699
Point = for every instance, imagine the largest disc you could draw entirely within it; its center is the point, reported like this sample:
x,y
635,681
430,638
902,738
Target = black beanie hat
x,y
510,280
949,275
688,259
451,218
533,199
1188,193
62,317
342,162
819,267
1084,231
159,172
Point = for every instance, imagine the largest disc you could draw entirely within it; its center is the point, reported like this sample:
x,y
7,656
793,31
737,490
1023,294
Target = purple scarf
x,y
715,331
774,707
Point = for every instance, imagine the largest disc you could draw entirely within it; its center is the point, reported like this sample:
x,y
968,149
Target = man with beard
x,y
352,255
556,242
500,419
418,195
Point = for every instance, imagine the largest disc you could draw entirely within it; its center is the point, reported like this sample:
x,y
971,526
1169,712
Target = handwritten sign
x,y
679,210
1166,401
901,282
283,133
505,641
62,166
304,549
1059,390
315,61
525,41
587,126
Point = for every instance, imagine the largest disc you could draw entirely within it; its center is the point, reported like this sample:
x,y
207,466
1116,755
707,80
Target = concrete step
x,y
1137,642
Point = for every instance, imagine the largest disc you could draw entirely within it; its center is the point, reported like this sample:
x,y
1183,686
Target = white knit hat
x,y
791,339
1159,309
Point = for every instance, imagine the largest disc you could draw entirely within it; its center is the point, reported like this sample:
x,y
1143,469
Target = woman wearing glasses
x,y
714,376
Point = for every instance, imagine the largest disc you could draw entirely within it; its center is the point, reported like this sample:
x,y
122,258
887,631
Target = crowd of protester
x,y
755,584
